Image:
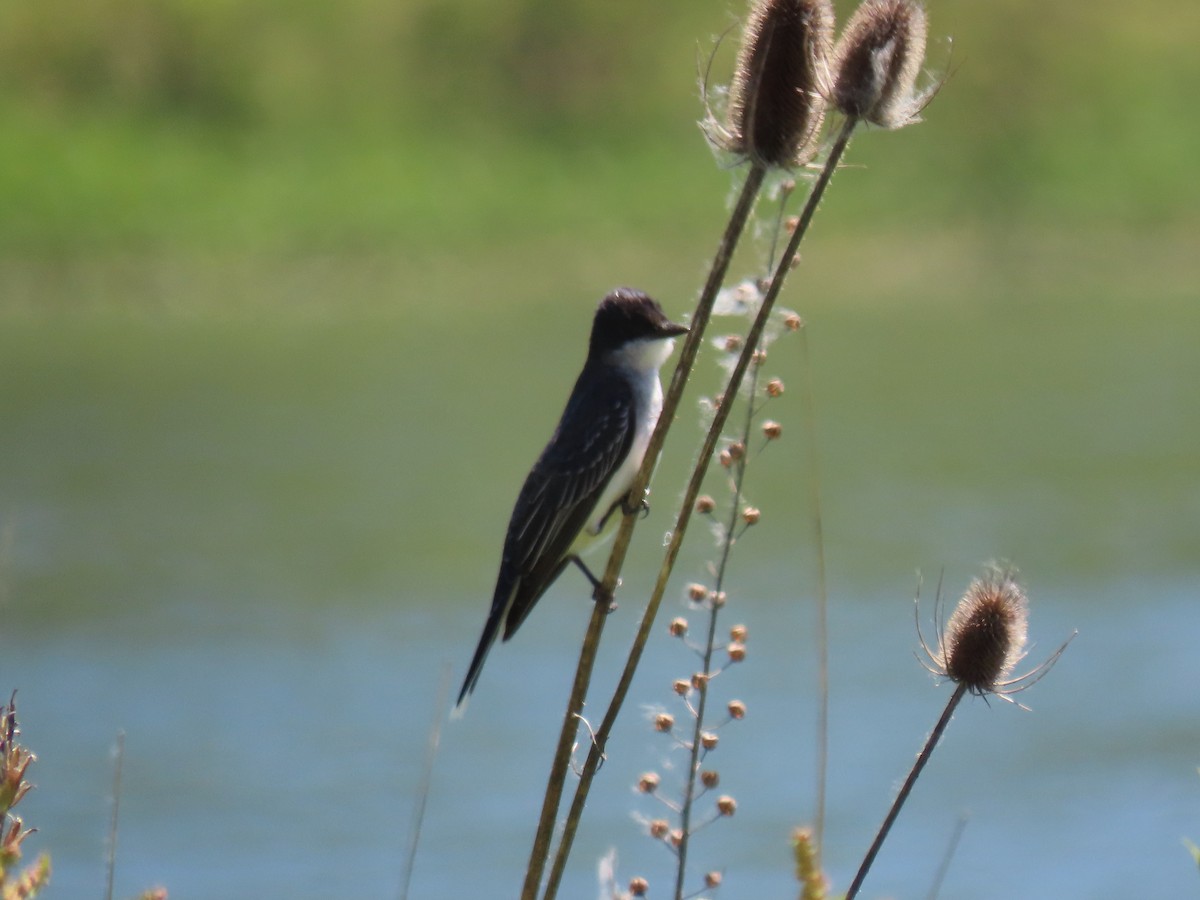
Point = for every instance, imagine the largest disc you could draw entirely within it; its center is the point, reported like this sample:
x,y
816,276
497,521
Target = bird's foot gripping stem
x,y
599,594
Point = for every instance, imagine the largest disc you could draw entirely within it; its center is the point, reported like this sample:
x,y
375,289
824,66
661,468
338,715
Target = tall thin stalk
x,y
591,642
601,734
931,743
689,788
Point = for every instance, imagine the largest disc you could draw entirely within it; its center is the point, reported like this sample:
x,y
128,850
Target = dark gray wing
x,y
591,442
560,494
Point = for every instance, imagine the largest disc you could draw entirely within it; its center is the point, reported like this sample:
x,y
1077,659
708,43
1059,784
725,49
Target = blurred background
x,y
291,294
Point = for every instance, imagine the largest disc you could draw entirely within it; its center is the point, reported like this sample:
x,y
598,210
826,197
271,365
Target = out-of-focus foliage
x,y
137,123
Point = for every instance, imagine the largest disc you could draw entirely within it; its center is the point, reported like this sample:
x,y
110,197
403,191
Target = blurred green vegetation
x,y
293,126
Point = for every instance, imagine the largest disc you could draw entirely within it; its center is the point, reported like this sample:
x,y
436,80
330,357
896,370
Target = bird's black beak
x,y
672,330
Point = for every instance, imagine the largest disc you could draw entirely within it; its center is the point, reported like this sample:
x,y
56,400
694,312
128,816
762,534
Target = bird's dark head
x,y
627,315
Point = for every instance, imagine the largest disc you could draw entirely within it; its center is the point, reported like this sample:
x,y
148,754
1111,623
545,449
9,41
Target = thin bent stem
x,y
600,736
587,657
111,861
960,691
814,479
431,750
689,790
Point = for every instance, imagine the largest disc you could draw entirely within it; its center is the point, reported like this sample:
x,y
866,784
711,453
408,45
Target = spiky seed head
x,y
705,504
877,60
738,633
985,637
776,103
710,778
737,709
678,626
648,783
664,722
726,805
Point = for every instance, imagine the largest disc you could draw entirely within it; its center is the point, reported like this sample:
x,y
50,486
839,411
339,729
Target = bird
x,y
586,470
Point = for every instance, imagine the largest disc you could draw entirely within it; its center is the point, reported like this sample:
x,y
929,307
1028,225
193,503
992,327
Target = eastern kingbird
x,y
586,470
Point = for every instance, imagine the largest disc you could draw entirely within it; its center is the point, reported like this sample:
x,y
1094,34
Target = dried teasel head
x,y
776,104
984,639
876,62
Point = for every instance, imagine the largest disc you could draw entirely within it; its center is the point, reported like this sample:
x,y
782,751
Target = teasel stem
x,y
689,785
721,415
591,641
960,691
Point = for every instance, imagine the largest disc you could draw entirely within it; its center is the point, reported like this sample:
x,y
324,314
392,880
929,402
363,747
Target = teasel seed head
x,y
985,637
877,60
983,641
776,103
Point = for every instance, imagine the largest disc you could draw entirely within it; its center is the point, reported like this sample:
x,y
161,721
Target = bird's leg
x,y
599,594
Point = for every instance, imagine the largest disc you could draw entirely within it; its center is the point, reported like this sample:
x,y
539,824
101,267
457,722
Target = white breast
x,y
641,361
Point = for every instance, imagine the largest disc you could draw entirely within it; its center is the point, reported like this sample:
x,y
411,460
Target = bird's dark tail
x,y
490,630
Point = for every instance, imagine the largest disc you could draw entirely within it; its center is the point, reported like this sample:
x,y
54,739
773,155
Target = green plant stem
x,y
587,656
600,736
960,691
689,789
